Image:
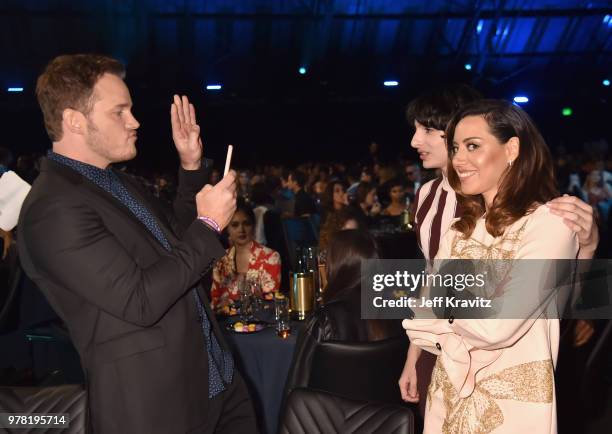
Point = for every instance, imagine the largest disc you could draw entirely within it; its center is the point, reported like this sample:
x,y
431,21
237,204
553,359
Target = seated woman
x,y
347,218
245,258
339,317
396,191
334,199
334,205
365,204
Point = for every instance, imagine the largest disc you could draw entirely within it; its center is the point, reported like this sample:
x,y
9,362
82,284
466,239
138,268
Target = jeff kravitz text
x,y
434,302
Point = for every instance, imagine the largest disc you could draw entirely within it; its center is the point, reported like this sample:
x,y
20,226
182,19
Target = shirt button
x,y
438,346
451,319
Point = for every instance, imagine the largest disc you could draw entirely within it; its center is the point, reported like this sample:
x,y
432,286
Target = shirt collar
x,y
445,184
93,173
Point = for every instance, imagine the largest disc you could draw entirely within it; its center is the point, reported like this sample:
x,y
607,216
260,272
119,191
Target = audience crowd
x,y
373,194
346,203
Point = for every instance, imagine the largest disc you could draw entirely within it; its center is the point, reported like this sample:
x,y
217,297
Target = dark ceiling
x,y
554,51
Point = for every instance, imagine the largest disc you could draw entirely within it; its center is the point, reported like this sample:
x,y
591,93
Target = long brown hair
x,y
327,200
346,250
527,182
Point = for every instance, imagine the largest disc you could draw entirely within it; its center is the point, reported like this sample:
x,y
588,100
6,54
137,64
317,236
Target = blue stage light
x,y
607,19
520,99
302,70
606,82
391,83
213,87
15,89
479,26
468,66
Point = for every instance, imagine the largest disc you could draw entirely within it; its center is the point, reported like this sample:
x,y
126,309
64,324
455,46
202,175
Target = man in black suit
x,y
122,275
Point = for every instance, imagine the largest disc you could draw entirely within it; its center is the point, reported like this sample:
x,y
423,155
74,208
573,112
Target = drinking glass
x,y
257,296
282,316
246,308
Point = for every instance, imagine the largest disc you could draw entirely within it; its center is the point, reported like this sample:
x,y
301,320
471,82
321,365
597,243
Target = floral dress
x,y
264,269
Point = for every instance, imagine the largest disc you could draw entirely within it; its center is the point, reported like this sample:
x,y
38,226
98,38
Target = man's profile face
x,y
111,127
431,146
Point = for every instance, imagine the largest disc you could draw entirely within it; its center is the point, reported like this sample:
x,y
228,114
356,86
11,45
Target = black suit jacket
x,y
125,300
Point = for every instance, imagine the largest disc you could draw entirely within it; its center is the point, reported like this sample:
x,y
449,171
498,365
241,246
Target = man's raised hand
x,y
186,133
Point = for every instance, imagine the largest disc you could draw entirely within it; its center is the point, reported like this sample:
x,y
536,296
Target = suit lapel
x,y
136,190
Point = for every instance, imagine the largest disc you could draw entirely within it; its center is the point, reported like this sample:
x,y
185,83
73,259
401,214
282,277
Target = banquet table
x,y
264,360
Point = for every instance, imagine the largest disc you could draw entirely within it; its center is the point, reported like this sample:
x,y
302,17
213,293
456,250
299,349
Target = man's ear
x,y
74,121
513,148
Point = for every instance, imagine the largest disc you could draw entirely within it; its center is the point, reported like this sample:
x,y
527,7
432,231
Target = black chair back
x,y
366,371
70,399
592,393
9,302
275,239
312,412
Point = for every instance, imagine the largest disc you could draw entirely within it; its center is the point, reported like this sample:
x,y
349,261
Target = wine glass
x,y
257,295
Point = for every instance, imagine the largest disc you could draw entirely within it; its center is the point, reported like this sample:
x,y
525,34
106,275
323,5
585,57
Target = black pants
x,y
231,412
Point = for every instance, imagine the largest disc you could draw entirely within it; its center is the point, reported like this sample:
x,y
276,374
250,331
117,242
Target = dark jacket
x,y
304,204
125,300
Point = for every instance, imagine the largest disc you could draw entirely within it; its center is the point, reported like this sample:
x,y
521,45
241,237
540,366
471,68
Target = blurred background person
x,y
215,176
284,198
396,191
334,199
304,203
598,194
365,204
6,160
244,185
261,200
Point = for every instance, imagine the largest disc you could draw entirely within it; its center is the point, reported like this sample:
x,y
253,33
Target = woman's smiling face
x,y
479,158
